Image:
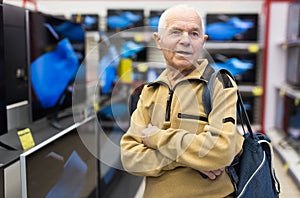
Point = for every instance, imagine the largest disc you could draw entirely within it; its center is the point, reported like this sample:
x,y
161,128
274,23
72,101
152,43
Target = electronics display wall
x,y
234,44
40,154
287,114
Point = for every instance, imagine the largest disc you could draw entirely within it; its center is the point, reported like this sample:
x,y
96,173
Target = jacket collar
x,y
200,73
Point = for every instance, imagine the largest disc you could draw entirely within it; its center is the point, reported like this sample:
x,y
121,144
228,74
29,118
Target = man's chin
x,y
184,64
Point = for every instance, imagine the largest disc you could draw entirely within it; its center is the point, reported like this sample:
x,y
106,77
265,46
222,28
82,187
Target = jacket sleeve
x,y
135,156
213,148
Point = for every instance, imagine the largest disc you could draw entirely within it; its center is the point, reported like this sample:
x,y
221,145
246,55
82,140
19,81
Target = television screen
x,y
3,119
13,41
61,166
153,19
242,66
122,19
232,27
90,22
56,60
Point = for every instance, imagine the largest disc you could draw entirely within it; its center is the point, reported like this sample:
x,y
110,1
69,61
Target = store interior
x,y
68,69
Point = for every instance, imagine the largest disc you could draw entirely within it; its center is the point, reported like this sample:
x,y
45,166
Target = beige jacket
x,y
188,140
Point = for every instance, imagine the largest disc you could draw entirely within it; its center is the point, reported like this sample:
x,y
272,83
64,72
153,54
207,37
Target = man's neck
x,y
175,75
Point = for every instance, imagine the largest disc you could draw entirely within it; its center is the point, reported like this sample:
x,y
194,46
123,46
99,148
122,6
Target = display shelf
x,y
251,47
252,89
289,90
139,35
291,43
288,155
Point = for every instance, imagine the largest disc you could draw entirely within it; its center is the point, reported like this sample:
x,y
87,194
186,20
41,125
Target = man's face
x,y
182,40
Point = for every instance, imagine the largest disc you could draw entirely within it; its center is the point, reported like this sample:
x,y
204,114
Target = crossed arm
x,y
149,151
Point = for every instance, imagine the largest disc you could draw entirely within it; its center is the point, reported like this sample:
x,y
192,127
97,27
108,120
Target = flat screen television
x,y
243,66
232,27
57,52
123,19
13,69
61,166
90,22
153,19
13,53
3,119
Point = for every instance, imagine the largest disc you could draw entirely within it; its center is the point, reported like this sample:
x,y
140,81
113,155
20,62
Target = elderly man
x,y
171,141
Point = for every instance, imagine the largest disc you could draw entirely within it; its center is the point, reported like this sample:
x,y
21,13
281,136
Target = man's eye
x,y
175,32
195,34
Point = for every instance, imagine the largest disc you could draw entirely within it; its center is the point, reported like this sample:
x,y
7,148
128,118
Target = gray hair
x,y
162,21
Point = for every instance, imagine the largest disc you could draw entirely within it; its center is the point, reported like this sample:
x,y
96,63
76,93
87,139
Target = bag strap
x,y
211,74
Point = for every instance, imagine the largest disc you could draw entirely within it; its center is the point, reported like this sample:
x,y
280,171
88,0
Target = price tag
x,y
26,139
282,92
138,37
142,67
96,107
253,48
286,167
257,91
296,101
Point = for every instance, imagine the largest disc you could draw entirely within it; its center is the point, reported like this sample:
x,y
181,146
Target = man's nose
x,y
185,39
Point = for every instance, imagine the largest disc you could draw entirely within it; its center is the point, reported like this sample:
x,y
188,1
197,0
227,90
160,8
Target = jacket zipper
x,y
168,108
170,96
193,117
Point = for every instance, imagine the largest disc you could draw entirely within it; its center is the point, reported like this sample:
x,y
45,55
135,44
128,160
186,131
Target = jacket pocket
x,y
193,117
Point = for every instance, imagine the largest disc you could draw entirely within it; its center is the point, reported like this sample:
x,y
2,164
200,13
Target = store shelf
x,y
251,47
252,89
289,90
137,36
288,155
291,43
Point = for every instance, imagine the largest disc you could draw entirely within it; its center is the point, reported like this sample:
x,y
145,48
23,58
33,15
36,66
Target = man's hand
x,y
147,132
213,174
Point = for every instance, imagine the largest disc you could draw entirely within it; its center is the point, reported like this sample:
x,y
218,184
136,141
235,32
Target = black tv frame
x,y
79,18
59,147
59,111
250,76
134,26
251,35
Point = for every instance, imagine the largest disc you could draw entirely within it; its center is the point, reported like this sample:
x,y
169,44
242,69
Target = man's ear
x,y
205,37
157,40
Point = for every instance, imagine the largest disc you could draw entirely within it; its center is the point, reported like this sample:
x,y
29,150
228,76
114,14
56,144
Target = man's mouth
x,y
184,53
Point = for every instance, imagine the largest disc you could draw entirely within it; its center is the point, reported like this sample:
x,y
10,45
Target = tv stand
x,y
60,122
55,124
7,146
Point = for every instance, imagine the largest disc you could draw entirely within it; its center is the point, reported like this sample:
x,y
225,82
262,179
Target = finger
x,y
209,174
217,172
